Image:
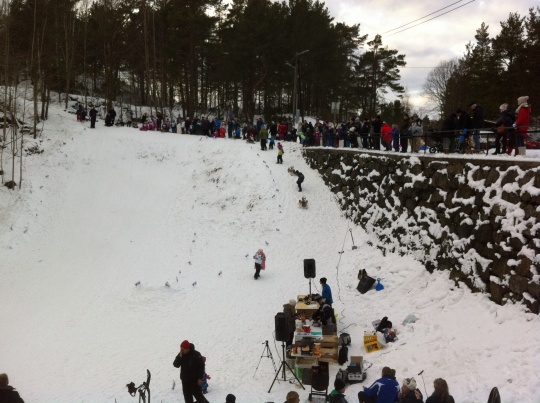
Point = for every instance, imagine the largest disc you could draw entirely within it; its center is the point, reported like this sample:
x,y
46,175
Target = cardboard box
x,y
356,364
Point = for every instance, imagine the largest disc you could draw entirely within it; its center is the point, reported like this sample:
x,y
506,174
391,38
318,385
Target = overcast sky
x,y
427,44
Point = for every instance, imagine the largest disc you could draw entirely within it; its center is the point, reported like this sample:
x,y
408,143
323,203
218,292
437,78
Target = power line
x,y
440,15
421,18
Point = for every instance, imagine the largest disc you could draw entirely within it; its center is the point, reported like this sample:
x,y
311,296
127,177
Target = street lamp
x,y
295,95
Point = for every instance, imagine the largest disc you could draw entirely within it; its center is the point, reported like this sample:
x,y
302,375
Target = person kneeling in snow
x,y
409,393
337,396
383,390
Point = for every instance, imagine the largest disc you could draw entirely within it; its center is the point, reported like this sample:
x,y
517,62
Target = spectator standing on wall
x,y
377,125
405,132
478,123
523,113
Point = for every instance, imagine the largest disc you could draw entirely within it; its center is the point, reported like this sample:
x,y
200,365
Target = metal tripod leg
x,y
282,368
267,353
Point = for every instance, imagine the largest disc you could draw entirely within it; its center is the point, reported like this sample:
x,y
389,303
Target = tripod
x,y
266,354
282,368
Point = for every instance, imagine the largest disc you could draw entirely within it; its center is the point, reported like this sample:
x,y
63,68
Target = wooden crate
x,y
329,355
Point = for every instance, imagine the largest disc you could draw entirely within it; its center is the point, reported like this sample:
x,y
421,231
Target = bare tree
x,y
435,86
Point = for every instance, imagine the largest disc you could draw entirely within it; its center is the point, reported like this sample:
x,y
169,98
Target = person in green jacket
x,y
337,396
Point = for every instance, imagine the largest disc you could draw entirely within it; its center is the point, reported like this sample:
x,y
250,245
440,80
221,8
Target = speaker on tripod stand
x,y
309,271
282,335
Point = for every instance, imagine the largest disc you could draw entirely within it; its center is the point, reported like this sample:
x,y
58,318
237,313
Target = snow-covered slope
x,y
104,209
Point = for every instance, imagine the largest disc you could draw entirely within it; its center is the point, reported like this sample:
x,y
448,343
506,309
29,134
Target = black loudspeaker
x,y
365,284
320,378
282,327
309,268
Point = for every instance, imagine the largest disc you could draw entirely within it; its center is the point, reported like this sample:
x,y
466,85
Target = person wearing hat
x,y
337,396
8,393
523,113
192,371
230,398
409,393
502,127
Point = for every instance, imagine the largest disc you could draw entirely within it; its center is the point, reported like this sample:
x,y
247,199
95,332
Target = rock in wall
x,y
477,219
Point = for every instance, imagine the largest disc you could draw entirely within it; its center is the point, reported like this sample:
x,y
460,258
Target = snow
x,y
103,209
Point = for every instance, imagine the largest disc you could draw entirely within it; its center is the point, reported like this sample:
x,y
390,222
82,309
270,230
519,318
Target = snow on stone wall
x,y
479,220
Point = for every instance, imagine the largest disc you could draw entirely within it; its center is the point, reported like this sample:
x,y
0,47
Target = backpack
x,y
344,339
343,375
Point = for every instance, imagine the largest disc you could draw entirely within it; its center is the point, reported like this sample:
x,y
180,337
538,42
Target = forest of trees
x,y
493,70
202,54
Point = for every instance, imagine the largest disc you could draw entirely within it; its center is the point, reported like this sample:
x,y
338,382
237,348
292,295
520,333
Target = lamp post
x,y
295,95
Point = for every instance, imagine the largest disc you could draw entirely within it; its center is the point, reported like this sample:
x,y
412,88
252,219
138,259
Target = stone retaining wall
x,y
478,219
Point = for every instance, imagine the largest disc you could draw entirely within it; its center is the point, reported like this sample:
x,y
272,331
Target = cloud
x,y
428,44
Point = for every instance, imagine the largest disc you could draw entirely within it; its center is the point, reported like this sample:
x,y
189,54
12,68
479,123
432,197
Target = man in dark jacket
x,y
503,126
383,390
112,112
377,125
478,123
300,179
337,396
192,370
364,133
8,394
405,132
448,131
93,116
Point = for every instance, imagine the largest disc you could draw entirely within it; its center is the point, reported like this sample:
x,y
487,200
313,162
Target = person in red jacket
x,y
386,137
523,113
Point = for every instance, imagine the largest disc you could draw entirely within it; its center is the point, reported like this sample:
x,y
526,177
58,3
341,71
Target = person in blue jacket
x,y
326,291
383,390
217,125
